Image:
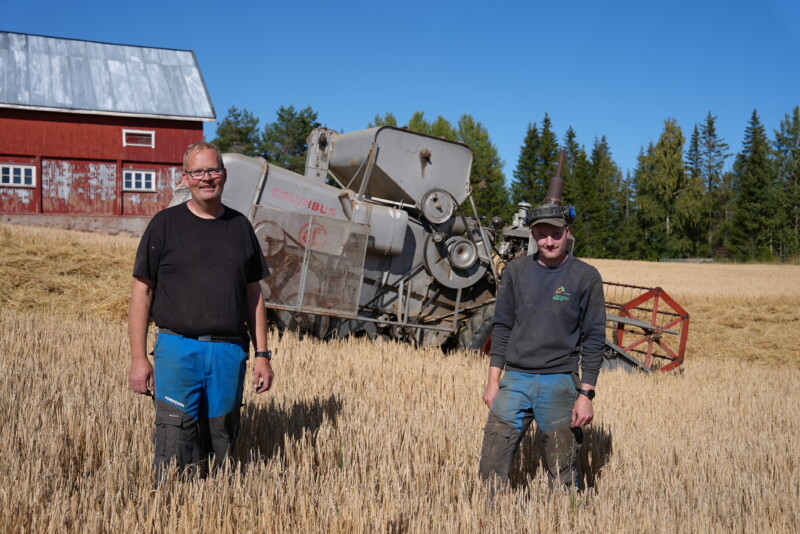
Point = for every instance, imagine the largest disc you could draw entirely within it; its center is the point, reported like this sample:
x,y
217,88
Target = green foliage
x,y
659,179
283,142
486,178
387,120
536,165
787,152
753,232
238,132
713,153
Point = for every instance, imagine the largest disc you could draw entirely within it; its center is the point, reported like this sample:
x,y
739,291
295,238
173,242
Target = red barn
x,y
92,134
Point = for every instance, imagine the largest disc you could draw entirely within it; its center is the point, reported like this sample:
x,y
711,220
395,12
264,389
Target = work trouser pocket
x,y
175,437
500,440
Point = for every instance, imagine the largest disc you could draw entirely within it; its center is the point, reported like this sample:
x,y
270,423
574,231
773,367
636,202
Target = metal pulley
x,y
457,263
437,206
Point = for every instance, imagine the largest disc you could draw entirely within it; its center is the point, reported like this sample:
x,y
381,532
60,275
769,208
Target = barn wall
x,y
80,159
94,137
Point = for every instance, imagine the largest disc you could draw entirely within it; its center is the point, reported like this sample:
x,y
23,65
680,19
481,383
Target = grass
x,y
364,437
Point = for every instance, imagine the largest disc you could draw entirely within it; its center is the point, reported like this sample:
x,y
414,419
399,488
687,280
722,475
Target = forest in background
x,y
685,198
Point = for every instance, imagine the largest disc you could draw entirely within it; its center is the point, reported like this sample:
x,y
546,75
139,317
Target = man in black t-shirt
x,y
197,274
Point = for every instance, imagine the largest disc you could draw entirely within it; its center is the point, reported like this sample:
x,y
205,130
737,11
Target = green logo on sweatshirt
x,y
561,294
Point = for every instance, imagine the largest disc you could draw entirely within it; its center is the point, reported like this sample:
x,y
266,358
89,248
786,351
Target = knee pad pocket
x,y
175,436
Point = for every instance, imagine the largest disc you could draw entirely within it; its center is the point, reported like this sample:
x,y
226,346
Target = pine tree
x,y
787,149
387,120
238,132
418,123
283,142
752,234
441,127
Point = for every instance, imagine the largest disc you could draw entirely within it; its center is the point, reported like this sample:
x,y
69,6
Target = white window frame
x,y
151,133
141,189
7,175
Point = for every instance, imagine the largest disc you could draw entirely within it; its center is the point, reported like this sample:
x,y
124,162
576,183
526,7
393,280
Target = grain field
x,y
363,437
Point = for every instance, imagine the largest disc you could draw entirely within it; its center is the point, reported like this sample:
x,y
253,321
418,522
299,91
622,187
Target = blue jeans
x,y
198,393
522,399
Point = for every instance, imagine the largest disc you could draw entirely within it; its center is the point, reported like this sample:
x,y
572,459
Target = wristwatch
x,y
264,354
587,392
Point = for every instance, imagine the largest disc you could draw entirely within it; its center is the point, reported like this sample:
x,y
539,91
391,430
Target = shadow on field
x,y
266,428
594,454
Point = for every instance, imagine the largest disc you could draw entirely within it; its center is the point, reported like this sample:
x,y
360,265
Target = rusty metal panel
x,y
316,263
77,186
149,203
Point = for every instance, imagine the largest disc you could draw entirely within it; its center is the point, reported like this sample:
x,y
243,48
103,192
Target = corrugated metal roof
x,y
56,74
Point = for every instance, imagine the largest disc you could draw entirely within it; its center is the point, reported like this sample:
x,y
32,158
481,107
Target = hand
x,y
582,412
492,386
262,375
490,393
140,377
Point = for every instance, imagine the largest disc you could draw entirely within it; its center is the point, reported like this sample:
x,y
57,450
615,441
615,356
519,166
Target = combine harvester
x,y
380,237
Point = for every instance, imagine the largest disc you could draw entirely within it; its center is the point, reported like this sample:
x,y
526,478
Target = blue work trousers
x,y
198,394
523,398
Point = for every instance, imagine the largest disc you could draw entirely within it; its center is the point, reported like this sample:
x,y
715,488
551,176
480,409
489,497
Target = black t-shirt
x,y
201,268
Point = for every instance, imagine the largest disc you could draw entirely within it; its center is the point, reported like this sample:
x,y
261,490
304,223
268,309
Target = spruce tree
x,y
523,188
713,153
752,234
658,185
283,142
604,209
536,165
694,202
787,151
486,178
238,132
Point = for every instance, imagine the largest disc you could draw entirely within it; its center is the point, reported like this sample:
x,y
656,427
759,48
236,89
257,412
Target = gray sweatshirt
x,y
550,320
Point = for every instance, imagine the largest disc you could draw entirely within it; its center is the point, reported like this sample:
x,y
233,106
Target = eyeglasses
x,y
198,174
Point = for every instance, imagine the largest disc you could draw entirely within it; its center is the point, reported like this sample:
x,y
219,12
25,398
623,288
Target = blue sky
x,y
614,69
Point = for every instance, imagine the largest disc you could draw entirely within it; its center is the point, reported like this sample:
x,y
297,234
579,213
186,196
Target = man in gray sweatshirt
x,y
549,323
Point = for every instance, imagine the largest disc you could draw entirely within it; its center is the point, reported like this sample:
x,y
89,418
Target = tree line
x,y
681,201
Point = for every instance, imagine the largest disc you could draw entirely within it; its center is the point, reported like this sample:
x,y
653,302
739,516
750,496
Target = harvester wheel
x,y
476,331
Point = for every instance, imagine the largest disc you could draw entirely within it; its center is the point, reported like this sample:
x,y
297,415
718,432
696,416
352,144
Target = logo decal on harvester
x,y
561,294
173,401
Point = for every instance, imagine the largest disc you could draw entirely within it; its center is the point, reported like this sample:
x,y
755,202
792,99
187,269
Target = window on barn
x,y
139,138
12,175
138,180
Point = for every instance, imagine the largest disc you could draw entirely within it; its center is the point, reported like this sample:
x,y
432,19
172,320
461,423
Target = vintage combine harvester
x,y
380,237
